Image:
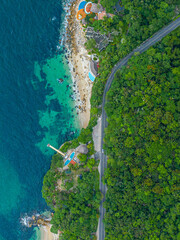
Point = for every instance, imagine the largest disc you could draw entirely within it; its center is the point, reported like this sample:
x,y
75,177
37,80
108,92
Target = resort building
x,y
71,156
93,8
103,14
102,40
97,8
86,8
81,13
68,157
93,70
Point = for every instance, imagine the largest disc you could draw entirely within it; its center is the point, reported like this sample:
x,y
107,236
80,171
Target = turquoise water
x,y
70,158
72,155
35,108
67,162
92,78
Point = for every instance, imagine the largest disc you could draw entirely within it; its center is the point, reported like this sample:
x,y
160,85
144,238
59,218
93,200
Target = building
x,y
81,13
97,8
86,8
93,8
102,15
101,39
93,70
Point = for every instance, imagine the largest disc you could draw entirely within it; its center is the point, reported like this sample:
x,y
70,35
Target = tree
x,y
82,158
90,44
91,162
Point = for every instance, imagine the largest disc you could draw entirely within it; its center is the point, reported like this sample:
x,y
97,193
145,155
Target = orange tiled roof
x,y
101,15
81,14
72,162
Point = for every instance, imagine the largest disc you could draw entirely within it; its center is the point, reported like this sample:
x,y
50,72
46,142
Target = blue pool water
x,y
35,109
67,162
70,158
72,155
82,5
91,77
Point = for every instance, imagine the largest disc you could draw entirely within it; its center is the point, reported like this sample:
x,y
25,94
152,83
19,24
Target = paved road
x,y
103,158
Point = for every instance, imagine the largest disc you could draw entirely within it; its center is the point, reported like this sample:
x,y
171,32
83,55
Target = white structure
x,y
58,151
93,70
88,7
93,7
96,8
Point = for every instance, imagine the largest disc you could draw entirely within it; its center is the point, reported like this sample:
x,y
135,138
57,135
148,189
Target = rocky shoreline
x,y
78,60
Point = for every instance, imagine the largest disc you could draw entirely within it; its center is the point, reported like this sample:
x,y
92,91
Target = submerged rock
x,y
60,80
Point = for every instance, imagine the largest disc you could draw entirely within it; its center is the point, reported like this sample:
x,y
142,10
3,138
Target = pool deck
x,y
69,160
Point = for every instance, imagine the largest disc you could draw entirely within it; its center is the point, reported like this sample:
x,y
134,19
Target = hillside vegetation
x,y
142,200
128,29
75,201
141,139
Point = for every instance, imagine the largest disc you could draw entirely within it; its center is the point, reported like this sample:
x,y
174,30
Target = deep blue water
x,y
30,113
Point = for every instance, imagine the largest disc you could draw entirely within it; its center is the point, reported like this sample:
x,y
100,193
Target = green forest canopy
x,y
137,22
141,140
138,206
76,211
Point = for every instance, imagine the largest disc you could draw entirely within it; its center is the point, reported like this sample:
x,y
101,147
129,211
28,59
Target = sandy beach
x,y
46,234
79,65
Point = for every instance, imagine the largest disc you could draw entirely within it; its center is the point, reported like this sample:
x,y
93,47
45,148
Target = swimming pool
x,y
91,77
69,160
72,155
81,5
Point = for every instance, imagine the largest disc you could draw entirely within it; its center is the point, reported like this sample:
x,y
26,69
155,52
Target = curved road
x,y
103,158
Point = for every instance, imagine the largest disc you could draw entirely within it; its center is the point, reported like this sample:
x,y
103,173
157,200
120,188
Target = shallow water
x,y
35,108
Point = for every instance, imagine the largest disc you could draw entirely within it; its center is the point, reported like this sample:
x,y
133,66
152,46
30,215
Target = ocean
x,y
35,108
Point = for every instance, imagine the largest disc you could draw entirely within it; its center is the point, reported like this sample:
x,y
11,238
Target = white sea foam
x,y
25,220
28,221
